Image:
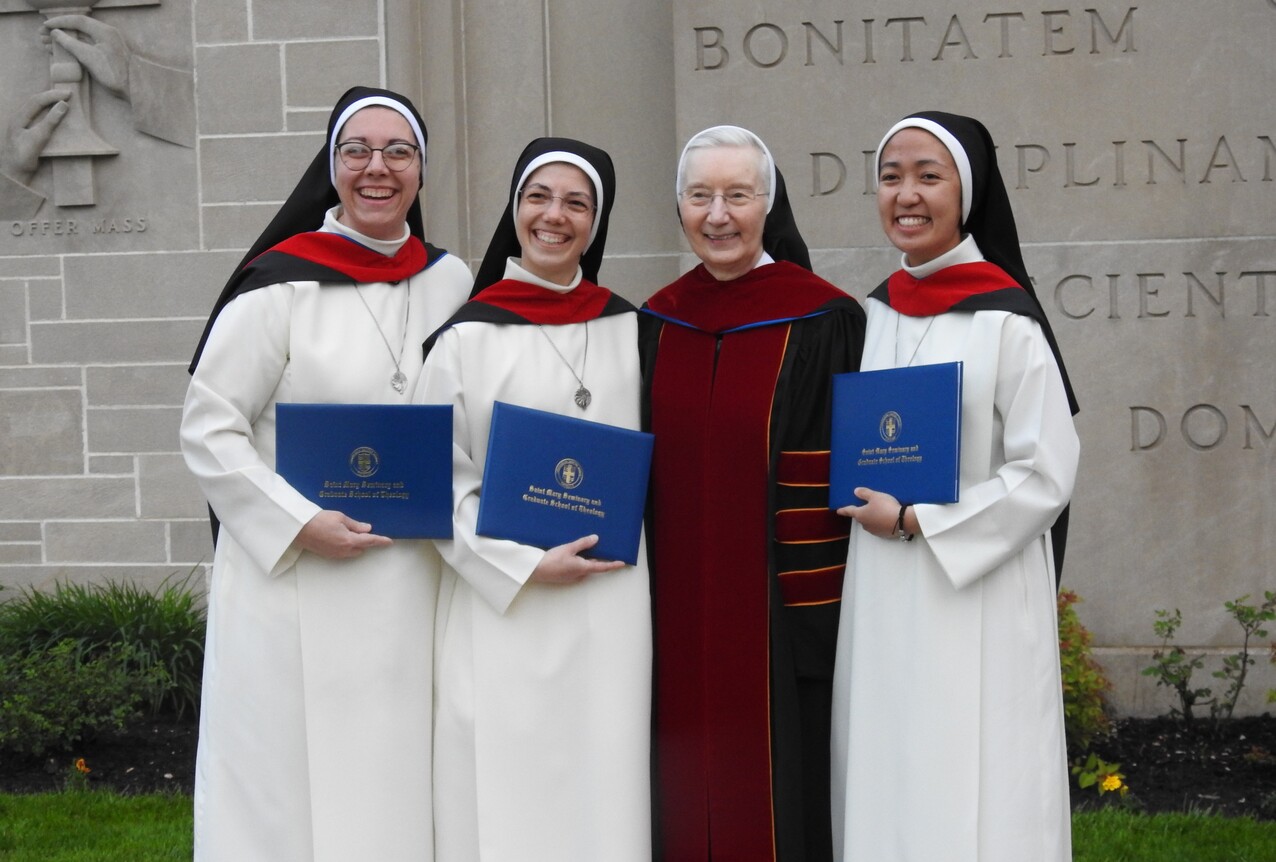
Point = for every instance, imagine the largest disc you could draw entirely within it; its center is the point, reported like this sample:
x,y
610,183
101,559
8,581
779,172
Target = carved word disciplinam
x,y
1198,161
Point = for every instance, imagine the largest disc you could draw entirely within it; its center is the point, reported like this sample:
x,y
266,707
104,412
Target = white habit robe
x,y
543,693
948,739
315,722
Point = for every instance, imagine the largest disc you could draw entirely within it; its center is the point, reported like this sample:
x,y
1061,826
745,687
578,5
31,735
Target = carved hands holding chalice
x,y
56,123
102,50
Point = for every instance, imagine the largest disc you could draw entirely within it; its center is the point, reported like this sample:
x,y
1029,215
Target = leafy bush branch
x,y
1085,685
1086,716
1173,668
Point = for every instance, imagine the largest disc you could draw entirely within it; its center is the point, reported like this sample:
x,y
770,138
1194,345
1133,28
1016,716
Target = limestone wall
x,y
1137,142
102,300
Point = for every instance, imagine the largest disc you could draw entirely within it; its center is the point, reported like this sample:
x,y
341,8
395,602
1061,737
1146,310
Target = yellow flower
x,y
1110,783
81,766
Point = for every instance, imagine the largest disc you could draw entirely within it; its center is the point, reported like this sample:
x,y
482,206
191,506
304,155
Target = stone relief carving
x,y
56,123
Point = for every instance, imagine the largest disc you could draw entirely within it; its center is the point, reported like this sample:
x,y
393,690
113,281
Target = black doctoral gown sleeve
x,y
649,329
804,639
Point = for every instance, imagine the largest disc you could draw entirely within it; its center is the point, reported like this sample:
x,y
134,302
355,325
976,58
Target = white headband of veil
x,y
368,102
571,159
946,138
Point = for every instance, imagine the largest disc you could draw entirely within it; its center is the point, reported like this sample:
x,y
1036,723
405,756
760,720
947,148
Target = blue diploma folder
x,y
897,430
387,464
551,479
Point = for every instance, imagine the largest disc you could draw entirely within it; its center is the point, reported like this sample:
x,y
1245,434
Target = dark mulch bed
x,y
1228,770
149,757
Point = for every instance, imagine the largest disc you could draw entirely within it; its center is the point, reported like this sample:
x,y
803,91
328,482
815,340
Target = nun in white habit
x,y
948,738
543,658
314,738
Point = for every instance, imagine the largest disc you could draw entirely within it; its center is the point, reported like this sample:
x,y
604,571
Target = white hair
x,y
731,136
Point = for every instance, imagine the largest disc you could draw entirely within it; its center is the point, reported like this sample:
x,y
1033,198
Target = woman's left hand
x,y
564,565
337,536
879,515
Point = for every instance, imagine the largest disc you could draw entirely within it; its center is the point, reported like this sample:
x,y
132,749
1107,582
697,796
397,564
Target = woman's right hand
x,y
880,514
333,535
564,565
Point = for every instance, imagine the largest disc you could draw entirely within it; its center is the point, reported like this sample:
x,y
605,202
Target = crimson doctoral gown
x,y
747,558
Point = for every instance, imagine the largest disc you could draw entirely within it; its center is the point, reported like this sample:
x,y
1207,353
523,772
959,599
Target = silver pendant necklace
x,y
583,396
918,347
398,379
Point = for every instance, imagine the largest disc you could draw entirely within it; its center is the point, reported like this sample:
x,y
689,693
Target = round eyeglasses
x,y
397,157
576,204
701,198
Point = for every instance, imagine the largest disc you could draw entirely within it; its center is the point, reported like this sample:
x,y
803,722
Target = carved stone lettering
x,y
815,34
1202,428
912,38
1139,418
118,225
48,227
1159,295
824,167
1183,162
766,46
95,225
710,52
1253,424
955,36
1207,160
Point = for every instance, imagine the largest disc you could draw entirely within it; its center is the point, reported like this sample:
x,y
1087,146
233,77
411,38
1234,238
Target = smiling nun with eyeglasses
x,y
738,356
315,721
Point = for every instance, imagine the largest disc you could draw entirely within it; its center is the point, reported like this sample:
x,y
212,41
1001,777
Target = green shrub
x,y
164,629
1235,668
1085,709
54,699
1173,668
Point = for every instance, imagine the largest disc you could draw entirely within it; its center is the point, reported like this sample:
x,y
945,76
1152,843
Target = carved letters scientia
x,y
1161,295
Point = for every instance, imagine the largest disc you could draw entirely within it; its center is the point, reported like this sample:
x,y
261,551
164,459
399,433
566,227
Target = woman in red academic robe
x,y
747,563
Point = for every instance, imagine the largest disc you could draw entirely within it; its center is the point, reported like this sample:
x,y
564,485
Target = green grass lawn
x,y
103,827
93,826
1119,836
